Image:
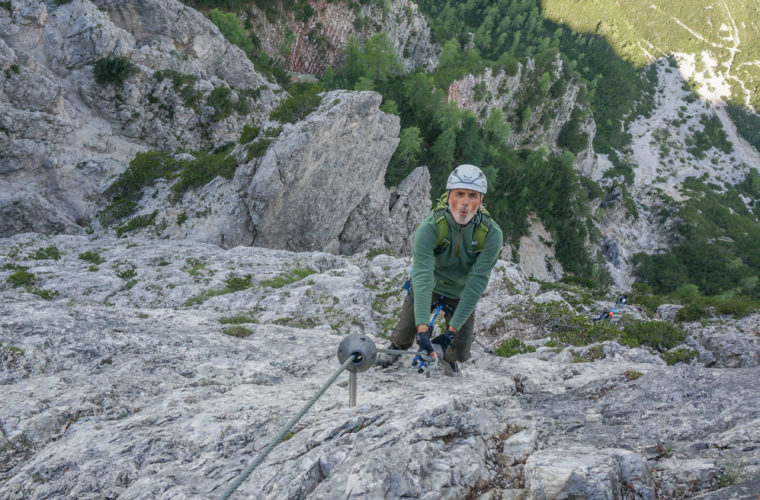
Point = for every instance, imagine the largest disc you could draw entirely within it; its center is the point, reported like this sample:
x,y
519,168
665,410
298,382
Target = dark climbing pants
x,y
405,332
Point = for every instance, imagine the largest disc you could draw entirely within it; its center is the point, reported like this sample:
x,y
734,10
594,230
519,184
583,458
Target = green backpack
x,y
443,228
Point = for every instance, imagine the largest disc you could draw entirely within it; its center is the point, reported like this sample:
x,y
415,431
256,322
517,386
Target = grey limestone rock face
x,y
319,171
64,137
584,472
128,381
727,346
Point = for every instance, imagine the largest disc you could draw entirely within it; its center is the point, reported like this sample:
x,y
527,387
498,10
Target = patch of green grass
x,y
196,266
237,331
569,327
127,274
732,473
136,223
237,283
91,257
92,268
233,284
48,253
680,355
43,293
287,277
632,374
238,319
512,347
21,277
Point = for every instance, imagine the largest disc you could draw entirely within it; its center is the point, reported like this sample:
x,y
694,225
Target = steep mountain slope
x,y
162,368
720,38
87,85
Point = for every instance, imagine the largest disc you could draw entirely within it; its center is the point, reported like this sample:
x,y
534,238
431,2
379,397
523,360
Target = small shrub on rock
x,y
21,277
237,331
302,102
512,347
91,257
113,70
692,312
48,253
681,355
660,335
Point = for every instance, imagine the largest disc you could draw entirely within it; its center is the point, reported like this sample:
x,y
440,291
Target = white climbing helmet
x,y
467,177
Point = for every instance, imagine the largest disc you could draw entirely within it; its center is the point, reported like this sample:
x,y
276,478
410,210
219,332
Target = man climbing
x,y
608,313
455,249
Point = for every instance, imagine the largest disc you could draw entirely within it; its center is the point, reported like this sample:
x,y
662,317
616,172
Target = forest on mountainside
x,y
710,252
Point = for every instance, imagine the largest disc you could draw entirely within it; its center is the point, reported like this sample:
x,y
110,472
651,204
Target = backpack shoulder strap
x,y
439,212
481,232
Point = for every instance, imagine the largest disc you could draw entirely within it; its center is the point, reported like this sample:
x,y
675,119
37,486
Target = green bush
x,y
237,319
233,284
257,149
21,277
221,100
237,283
303,100
692,312
127,274
113,70
184,85
512,347
91,257
144,168
137,223
655,334
737,306
680,355
249,133
43,293
237,331
48,253
203,169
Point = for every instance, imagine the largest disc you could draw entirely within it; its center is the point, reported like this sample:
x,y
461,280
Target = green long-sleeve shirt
x,y
458,272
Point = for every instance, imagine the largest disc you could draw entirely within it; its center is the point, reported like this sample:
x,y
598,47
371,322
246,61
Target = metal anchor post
x,y
352,379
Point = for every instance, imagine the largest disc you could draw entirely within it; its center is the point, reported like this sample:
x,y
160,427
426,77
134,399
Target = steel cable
x,y
247,472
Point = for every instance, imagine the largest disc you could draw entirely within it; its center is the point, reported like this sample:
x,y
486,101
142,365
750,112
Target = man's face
x,y
464,204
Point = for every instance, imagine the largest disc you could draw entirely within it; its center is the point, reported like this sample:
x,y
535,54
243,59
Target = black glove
x,y
423,340
444,339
